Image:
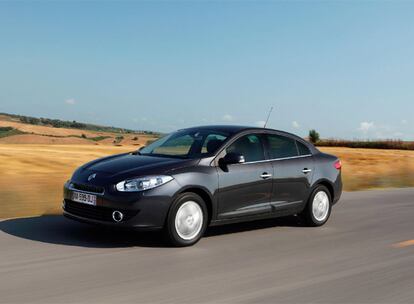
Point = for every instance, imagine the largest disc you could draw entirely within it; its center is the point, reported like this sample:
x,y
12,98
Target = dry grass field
x,y
35,161
48,135
31,176
374,168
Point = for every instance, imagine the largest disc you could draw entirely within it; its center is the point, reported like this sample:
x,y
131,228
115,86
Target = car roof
x,y
234,129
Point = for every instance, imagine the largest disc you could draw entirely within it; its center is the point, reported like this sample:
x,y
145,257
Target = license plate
x,y
84,198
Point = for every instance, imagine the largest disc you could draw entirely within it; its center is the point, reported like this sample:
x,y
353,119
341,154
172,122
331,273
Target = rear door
x,y
292,172
245,189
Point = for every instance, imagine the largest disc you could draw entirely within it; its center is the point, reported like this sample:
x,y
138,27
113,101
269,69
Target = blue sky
x,y
343,68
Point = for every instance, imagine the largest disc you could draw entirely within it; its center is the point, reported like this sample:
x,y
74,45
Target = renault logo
x,y
91,177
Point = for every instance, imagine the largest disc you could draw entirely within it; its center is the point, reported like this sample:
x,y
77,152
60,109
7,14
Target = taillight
x,y
338,165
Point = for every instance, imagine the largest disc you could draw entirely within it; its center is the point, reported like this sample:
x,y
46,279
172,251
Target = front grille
x,y
88,188
96,212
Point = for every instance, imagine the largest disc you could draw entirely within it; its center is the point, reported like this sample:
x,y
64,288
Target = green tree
x,y
313,136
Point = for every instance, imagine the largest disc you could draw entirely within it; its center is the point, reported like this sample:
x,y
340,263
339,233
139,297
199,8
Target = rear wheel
x,y
318,208
187,220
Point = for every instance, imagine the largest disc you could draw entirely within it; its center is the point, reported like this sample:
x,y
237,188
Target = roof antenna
x,y
268,116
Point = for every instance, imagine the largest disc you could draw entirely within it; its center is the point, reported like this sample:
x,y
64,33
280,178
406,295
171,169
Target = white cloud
x,y
295,124
366,126
70,101
404,121
259,123
369,129
227,117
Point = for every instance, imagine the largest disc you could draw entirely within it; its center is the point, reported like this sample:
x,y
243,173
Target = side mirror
x,y
233,158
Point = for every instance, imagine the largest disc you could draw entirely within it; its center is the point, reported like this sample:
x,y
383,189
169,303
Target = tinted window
x,y
212,143
175,146
250,146
281,146
188,143
303,150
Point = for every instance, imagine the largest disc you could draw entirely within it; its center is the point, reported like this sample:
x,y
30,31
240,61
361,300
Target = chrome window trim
x,y
235,137
276,159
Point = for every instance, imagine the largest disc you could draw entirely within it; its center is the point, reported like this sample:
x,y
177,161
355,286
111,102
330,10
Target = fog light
x,y
117,216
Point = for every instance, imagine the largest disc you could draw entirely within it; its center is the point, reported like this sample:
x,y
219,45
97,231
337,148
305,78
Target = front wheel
x,y
187,220
318,208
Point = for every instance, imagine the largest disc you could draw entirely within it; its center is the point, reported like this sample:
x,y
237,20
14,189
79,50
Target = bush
x,y
313,136
99,138
368,144
9,131
118,139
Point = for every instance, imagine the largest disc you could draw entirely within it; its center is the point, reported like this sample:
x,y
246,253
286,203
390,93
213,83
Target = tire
x,y
187,220
320,214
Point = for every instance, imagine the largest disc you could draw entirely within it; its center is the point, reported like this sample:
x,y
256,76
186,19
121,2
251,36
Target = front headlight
x,y
142,183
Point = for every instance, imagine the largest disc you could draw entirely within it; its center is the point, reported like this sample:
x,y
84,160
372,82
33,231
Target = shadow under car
x,y
56,229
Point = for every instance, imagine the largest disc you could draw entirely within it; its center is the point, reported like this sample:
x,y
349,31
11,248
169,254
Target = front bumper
x,y
145,210
123,225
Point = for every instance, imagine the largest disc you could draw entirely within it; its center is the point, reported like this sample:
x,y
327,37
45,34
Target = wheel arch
x,y
327,184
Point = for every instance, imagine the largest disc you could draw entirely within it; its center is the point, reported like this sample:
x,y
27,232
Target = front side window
x,y
187,144
250,146
281,146
212,143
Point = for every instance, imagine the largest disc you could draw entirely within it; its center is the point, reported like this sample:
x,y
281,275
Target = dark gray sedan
x,y
205,176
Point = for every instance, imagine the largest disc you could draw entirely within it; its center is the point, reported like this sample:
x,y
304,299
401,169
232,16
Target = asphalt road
x,y
357,257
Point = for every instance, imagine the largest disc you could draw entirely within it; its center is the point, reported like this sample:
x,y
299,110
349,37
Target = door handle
x,y
265,175
306,170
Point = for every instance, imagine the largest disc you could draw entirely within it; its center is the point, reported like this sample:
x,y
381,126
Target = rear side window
x,y
303,150
281,146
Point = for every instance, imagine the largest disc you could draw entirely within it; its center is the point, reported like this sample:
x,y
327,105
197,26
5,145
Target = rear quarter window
x,y
303,149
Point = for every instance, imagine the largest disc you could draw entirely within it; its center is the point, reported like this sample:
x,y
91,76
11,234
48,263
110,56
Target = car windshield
x,y
188,143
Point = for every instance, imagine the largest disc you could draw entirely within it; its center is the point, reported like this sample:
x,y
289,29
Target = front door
x,y
245,189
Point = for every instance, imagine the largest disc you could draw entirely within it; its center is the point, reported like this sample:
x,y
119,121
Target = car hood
x,y
131,165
